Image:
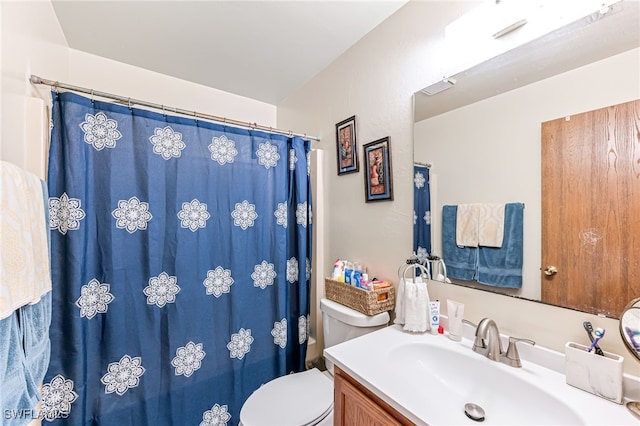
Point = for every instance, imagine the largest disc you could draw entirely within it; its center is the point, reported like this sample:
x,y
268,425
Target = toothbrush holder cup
x,y
599,375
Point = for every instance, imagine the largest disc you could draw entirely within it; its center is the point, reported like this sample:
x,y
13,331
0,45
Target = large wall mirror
x,y
482,138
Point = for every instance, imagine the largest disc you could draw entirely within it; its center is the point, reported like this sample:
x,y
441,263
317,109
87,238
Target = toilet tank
x,y
341,323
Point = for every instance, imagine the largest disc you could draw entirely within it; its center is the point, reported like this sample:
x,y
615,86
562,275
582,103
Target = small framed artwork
x,y
378,183
347,150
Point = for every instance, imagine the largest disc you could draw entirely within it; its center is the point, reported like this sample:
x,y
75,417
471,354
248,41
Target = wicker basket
x,y
368,302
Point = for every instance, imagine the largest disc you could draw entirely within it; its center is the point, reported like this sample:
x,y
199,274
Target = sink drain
x,y
474,411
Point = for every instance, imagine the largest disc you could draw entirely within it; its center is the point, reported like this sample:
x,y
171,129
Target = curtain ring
x,y
164,112
56,85
92,99
129,102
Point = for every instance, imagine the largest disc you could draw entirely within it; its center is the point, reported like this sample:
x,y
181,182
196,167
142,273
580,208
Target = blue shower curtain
x,y
180,262
421,212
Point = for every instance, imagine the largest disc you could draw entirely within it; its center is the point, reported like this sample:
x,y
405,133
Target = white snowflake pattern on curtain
x,y
132,215
65,213
427,217
167,142
223,150
308,269
422,254
217,416
57,397
415,217
94,299
281,214
161,290
244,215
419,180
292,270
240,343
292,159
303,328
308,163
279,333
100,131
263,274
218,281
194,215
267,155
188,359
123,375
301,214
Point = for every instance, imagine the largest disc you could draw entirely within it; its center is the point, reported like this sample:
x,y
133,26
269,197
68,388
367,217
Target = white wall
x,y
32,43
110,76
375,80
496,156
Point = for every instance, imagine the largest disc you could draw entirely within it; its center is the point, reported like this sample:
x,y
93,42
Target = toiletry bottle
x,y
348,272
434,315
455,310
364,281
355,278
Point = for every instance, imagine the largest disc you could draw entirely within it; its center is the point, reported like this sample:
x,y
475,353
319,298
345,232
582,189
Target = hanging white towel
x,y
399,309
490,224
480,224
24,253
467,219
416,304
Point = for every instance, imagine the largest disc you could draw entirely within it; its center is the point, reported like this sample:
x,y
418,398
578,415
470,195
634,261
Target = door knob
x,y
550,270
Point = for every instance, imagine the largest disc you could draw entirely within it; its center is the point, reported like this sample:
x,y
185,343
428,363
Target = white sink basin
x,y
429,379
465,376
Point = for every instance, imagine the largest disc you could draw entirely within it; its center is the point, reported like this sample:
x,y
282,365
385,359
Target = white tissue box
x,y
599,375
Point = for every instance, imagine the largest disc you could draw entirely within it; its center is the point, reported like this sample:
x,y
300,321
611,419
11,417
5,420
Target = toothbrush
x,y
598,334
587,326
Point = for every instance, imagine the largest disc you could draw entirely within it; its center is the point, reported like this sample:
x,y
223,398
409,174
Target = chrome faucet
x,y
488,343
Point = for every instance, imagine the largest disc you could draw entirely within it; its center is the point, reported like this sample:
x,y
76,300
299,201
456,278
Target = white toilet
x,y
306,398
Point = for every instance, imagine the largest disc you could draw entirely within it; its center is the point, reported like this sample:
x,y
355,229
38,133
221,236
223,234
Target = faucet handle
x,y
512,357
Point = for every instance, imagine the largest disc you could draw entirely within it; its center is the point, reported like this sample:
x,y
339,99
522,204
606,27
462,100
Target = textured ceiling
x,y
263,50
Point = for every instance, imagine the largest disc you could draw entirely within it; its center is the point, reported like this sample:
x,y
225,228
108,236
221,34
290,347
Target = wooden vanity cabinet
x,y
355,405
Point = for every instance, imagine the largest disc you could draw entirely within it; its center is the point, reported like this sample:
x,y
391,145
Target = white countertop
x,y
367,359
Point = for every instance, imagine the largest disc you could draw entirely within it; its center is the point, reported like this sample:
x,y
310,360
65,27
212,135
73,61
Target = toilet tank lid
x,y
351,316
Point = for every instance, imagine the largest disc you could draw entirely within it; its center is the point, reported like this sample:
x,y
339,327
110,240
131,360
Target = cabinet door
x,y
354,408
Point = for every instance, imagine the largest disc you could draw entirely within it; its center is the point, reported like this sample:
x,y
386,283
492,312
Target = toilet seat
x,y
299,399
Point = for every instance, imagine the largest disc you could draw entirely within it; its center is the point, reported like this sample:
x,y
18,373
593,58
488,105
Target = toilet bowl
x,y
306,398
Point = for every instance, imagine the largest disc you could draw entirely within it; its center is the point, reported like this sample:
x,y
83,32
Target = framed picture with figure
x,y
347,150
378,183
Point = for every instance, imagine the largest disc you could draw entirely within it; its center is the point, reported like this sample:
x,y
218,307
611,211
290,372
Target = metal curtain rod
x,y
417,163
34,79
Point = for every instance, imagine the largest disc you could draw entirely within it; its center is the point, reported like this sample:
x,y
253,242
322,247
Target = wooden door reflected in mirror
x,y
591,209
